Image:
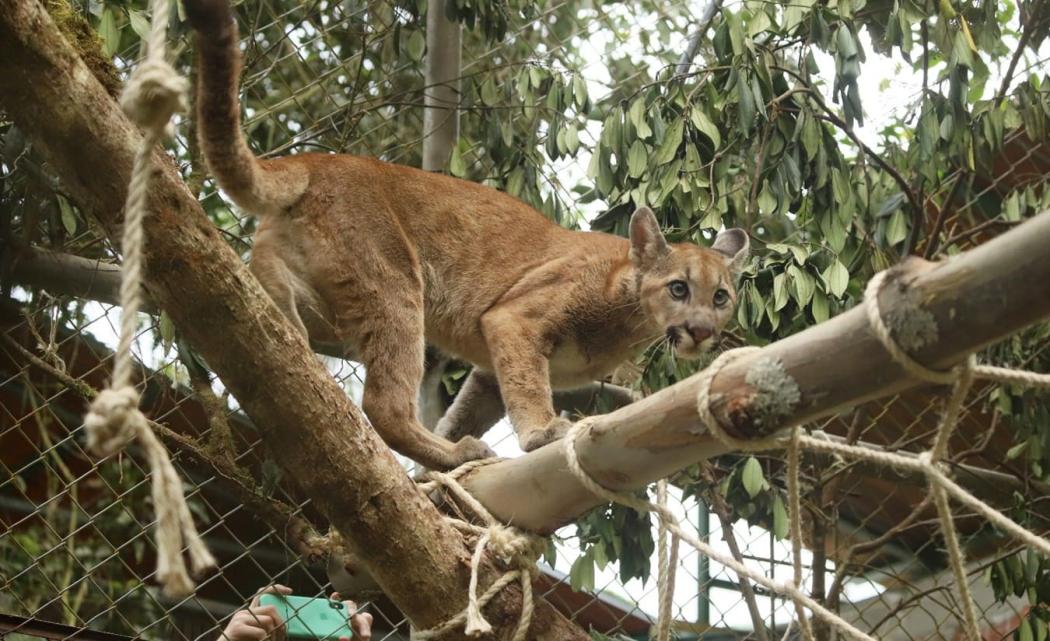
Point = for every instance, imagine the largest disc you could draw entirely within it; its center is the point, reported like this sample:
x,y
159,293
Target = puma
x,y
382,258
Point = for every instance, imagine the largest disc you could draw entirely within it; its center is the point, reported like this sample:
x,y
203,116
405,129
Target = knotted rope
x,y
153,93
667,563
516,548
961,378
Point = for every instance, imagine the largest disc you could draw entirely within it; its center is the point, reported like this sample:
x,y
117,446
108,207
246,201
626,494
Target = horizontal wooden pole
x,y
963,304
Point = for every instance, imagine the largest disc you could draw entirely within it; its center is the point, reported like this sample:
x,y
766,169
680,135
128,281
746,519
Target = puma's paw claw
x,y
557,428
469,448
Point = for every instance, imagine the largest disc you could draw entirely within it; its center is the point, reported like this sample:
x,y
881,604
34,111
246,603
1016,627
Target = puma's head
x,y
686,290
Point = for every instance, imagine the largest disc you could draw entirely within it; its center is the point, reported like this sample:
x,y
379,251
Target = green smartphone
x,y
308,618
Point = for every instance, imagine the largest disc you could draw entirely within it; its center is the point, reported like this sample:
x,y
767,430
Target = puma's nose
x,y
699,333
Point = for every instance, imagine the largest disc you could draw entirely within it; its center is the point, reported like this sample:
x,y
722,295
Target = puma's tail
x,y
259,187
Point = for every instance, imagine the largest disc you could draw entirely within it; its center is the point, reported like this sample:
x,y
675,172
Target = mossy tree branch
x,y
419,560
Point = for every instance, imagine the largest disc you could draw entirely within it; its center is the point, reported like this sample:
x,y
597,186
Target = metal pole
x,y
703,566
441,93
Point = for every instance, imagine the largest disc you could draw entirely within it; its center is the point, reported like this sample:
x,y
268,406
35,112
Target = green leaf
x,y
672,140
890,205
516,181
1024,631
1012,207
810,134
579,91
836,277
803,285
751,477
572,139
844,42
759,23
167,330
139,24
109,31
780,517
820,306
416,45
947,127
637,116
704,125
456,165
637,159
736,32
1016,450
897,228
536,76
767,202
793,16
523,83
69,217
489,93
780,293
581,576
745,106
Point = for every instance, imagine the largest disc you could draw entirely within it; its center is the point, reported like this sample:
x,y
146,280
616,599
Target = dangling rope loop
x,y
153,93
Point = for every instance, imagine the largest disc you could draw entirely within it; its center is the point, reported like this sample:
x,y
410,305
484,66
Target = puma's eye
x,y
678,289
721,298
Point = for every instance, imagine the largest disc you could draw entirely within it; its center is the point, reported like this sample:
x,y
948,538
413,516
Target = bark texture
x,y
340,463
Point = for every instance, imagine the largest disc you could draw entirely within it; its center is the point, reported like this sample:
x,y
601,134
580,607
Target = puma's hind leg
x,y
476,408
278,281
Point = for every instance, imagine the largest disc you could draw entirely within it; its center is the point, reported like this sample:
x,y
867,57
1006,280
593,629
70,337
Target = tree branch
x,y
721,510
339,462
703,22
1026,33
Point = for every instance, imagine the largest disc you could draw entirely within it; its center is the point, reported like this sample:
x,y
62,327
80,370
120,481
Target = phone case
x,y
308,618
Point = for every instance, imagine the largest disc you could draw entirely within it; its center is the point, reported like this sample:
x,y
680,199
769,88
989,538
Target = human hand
x,y
257,622
361,623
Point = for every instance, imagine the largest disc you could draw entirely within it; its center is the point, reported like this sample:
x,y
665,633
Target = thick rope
x,y
667,563
154,92
795,521
516,548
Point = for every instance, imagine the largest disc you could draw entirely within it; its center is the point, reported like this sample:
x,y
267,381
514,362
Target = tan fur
x,y
381,258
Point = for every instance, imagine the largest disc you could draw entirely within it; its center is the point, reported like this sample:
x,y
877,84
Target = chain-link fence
x,y
76,550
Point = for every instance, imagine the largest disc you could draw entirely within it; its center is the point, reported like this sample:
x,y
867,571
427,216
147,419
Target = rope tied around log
x,y
516,548
960,377
153,94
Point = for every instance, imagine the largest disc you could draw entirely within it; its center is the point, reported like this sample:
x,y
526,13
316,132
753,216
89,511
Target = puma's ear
x,y
647,241
735,246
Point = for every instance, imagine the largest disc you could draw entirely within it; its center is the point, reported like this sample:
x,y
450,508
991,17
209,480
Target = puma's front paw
x,y
469,448
554,430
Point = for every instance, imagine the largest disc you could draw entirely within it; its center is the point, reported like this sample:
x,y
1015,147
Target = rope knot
x,y
515,547
114,420
153,94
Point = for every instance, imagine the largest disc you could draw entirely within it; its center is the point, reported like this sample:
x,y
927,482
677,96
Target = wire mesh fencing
x,y
76,549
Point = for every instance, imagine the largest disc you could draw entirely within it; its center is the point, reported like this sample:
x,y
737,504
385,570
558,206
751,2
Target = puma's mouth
x,y
688,343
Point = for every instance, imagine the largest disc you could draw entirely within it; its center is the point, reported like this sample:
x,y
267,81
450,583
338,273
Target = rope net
x,y
77,546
